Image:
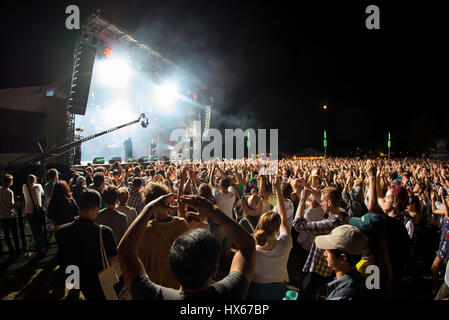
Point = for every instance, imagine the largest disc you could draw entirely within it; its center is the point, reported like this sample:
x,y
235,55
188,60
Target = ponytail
x,y
268,225
261,237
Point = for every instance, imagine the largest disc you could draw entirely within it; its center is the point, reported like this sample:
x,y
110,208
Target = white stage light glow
x,y
118,113
165,95
114,72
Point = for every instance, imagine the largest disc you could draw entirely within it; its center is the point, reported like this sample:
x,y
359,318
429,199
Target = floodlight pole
x,y
389,144
325,143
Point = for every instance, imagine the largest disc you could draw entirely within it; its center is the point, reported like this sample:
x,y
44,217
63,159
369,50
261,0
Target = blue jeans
x,y
38,230
10,226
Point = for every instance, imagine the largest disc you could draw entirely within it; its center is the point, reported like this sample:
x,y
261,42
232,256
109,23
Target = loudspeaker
x,y
77,158
114,159
79,91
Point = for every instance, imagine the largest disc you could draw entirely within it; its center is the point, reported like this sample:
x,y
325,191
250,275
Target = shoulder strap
x,y
249,223
104,257
31,194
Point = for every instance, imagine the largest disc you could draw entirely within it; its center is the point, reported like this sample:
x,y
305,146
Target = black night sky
x,y
271,64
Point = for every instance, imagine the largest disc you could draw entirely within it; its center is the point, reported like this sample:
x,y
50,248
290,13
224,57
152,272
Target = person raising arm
x,y
193,257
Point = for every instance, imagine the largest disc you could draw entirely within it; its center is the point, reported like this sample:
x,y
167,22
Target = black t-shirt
x,y
64,214
233,287
398,243
80,244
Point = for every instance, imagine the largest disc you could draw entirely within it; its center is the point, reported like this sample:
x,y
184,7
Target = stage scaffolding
x,y
97,31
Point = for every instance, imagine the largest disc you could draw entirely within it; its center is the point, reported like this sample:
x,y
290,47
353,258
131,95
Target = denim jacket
x,y
350,286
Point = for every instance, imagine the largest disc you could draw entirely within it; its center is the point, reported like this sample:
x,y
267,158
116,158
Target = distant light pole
x,y
325,143
389,144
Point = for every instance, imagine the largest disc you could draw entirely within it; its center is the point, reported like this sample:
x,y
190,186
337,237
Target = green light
x,y
98,160
325,134
389,144
325,143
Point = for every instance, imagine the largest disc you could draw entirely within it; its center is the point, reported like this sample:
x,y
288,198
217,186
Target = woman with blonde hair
x,y
273,239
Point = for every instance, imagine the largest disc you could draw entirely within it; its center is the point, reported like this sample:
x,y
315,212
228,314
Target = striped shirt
x,y
316,261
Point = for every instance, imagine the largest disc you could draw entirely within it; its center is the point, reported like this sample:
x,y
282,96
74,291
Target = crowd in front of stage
x,y
224,230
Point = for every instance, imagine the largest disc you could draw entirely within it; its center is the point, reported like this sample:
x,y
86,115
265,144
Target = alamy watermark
x,y
373,20
73,20
213,150
373,280
73,280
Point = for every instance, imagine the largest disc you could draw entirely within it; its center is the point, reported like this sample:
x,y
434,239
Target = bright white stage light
x,y
114,72
118,113
165,95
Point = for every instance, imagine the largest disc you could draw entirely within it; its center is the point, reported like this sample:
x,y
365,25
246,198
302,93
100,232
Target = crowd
x,y
224,230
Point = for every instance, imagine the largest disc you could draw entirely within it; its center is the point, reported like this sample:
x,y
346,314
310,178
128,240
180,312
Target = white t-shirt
x,y
224,201
289,208
38,193
271,266
305,238
6,200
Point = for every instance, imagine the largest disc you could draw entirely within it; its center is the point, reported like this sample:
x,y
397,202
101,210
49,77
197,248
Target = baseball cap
x,y
253,180
370,224
346,238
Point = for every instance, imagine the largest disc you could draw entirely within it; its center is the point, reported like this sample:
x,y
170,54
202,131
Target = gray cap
x,y
346,238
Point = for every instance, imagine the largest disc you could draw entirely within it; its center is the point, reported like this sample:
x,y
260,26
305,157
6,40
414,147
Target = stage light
x,y
114,72
107,52
118,113
195,96
166,94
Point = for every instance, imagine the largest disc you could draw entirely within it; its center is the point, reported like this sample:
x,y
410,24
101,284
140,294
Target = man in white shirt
x,y
314,212
8,216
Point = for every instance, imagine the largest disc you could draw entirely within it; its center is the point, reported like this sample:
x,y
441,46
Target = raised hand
x,y
305,194
201,204
370,169
165,201
277,183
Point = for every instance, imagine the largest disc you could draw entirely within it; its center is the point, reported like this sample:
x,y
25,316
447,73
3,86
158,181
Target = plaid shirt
x,y
135,200
316,261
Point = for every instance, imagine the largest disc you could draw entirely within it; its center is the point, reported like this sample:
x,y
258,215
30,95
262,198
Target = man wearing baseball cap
x,y
343,249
